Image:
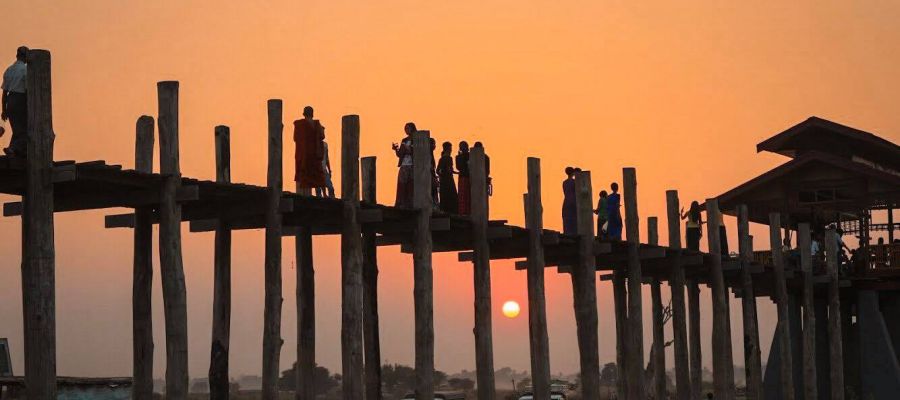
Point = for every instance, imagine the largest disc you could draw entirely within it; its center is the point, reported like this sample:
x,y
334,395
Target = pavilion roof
x,y
817,134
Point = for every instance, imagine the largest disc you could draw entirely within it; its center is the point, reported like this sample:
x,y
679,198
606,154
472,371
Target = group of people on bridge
x,y
448,195
313,167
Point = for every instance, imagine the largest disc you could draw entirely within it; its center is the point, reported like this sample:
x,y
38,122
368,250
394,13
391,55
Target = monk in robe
x,y
309,137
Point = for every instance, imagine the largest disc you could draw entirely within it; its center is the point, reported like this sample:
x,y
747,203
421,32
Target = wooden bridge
x,y
167,198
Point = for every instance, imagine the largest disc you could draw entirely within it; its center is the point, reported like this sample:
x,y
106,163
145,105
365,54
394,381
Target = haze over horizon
x,y
681,92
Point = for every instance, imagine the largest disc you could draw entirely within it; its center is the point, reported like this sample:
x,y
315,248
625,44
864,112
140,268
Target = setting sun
x,y
511,309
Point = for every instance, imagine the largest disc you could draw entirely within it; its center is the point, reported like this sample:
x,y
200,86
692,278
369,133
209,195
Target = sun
x,y
511,309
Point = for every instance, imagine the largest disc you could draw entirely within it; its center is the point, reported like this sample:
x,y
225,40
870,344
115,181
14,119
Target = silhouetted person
x,y
569,211
723,236
465,186
434,177
602,214
15,103
487,169
328,190
693,232
449,198
404,153
309,137
614,213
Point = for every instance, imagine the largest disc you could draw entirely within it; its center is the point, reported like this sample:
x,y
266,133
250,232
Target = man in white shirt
x,y
15,103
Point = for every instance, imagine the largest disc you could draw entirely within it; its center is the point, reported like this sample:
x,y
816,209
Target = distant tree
x,y
609,374
439,378
322,379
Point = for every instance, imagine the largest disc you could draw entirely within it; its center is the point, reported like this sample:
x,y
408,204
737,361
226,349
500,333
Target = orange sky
x,y
680,91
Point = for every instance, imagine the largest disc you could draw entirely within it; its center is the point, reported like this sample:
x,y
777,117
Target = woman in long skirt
x,y
462,165
405,173
449,199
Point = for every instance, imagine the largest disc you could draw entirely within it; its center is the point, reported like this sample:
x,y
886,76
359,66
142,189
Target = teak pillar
x,y
170,261
142,283
423,284
752,353
484,343
723,366
39,254
635,339
696,354
537,306
810,388
584,285
221,323
679,314
371,341
835,334
658,351
781,300
351,263
620,303
272,312
306,314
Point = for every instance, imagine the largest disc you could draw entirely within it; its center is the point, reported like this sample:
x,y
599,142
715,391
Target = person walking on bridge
x,y
309,138
15,104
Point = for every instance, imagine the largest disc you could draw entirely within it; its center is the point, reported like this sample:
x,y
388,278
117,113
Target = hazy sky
x,y
680,90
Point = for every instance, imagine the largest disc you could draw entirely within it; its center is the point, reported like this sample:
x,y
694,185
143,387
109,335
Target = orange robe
x,y
309,139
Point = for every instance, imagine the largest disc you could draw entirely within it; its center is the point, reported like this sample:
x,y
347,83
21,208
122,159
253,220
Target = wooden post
x,y
351,263
221,323
39,254
423,285
658,352
693,292
306,315
584,285
371,341
809,313
142,283
170,262
620,302
635,363
679,315
835,338
484,343
721,336
752,354
781,299
537,306
272,313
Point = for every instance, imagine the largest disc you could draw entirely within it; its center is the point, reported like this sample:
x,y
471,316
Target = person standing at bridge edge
x,y
694,222
404,152
449,201
309,137
15,104
464,185
569,211
614,213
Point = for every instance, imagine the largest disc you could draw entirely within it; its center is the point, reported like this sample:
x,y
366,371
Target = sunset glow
x,y
681,91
